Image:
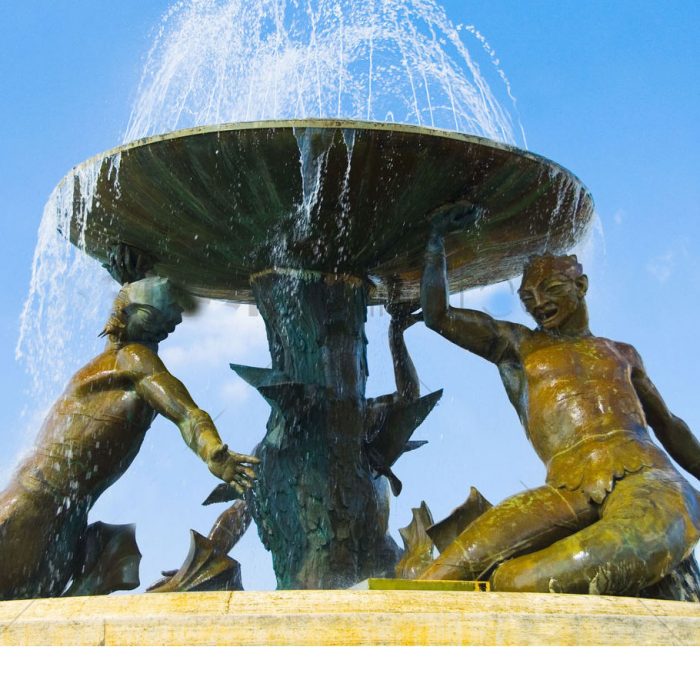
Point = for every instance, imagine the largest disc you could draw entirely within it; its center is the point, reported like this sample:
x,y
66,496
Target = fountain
x,y
291,155
313,220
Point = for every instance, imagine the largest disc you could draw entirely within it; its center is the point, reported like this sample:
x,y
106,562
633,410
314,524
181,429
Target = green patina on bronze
x,y
315,220
318,507
215,204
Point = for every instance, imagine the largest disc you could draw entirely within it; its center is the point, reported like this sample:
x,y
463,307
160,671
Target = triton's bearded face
x,y
553,289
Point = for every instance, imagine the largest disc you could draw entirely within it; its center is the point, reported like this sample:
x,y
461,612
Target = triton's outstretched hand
x,y
234,468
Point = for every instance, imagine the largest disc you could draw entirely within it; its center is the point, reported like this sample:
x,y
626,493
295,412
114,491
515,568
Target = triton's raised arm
x,y
407,383
402,318
672,432
473,330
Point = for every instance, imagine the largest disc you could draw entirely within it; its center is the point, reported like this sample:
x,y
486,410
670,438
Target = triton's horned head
x,y
546,264
147,310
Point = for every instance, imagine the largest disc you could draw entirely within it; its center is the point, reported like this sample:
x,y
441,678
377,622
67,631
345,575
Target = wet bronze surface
x,y
213,205
615,516
300,216
89,439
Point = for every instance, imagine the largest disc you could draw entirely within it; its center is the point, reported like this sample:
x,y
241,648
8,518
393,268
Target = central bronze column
x,y
318,508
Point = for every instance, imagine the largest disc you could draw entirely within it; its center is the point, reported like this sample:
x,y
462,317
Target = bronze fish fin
x,y
230,526
203,570
110,561
418,546
445,532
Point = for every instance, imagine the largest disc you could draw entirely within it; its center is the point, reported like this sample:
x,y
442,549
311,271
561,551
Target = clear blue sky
x,y
608,90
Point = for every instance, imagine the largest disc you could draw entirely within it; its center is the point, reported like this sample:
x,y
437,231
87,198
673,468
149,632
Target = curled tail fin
x,y
446,531
204,569
208,566
417,543
110,561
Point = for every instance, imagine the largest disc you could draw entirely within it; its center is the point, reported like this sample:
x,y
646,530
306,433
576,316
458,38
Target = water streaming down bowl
x,y
214,205
231,61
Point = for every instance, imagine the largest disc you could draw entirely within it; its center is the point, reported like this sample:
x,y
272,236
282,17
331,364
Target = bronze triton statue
x,y
89,439
614,515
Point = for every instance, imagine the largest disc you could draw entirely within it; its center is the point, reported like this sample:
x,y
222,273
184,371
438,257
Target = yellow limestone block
x,y
398,617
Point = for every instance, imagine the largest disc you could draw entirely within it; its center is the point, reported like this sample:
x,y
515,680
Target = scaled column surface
x,y
317,506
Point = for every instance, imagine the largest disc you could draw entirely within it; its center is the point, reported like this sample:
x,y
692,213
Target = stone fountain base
x,y
333,618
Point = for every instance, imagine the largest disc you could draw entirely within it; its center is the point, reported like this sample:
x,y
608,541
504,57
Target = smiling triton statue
x,y
89,439
614,515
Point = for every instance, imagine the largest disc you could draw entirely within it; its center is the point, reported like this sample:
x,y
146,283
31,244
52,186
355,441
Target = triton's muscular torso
x,y
578,404
89,439
577,389
92,433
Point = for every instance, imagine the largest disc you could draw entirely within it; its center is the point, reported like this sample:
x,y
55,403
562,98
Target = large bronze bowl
x,y
215,204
